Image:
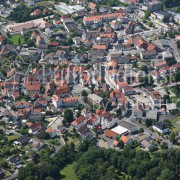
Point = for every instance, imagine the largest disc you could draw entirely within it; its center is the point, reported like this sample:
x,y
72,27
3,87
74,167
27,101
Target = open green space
x,y
68,173
17,39
13,137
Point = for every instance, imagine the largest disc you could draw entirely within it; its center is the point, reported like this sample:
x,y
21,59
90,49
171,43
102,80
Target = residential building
x,y
160,127
52,132
79,122
35,128
37,144
177,18
64,102
15,160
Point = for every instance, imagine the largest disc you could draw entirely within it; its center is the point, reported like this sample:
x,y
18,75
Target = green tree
x,y
84,93
172,137
167,174
141,130
148,80
118,112
19,41
30,42
68,115
148,122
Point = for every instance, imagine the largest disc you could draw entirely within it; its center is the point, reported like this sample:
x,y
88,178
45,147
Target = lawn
x,y
15,39
68,173
13,137
74,140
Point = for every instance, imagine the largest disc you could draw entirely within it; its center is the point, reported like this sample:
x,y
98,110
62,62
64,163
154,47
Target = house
x,y
79,122
126,140
128,126
15,160
166,55
147,145
77,41
162,16
151,6
70,26
175,67
22,104
137,111
34,35
39,40
89,20
110,134
37,12
148,54
32,88
95,99
64,102
160,65
35,128
52,132
152,114
99,47
160,127
177,18
93,121
37,144
171,106
6,50
23,140
107,120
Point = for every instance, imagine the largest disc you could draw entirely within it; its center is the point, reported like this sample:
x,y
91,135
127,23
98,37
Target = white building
x,y
64,102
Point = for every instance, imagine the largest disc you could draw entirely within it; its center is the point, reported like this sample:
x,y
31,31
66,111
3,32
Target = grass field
x,y
175,8
15,39
13,137
68,173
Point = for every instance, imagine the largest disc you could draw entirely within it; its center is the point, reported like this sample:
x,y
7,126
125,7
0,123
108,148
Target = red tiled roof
x,y
110,133
78,120
99,47
151,47
124,139
53,43
36,125
160,63
104,16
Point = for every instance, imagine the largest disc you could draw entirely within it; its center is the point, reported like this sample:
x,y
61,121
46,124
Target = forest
x,y
171,3
92,162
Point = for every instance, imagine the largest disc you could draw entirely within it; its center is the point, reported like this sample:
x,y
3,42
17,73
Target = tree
x,y
84,93
178,44
148,122
30,42
19,41
177,76
172,137
141,130
166,174
121,144
118,112
171,61
164,145
68,115
144,68
148,80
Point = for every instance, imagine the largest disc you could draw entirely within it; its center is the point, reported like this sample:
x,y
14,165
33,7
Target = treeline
x,y
99,163
22,13
171,3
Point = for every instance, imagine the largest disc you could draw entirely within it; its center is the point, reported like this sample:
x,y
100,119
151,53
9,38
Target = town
x,y
73,71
